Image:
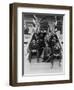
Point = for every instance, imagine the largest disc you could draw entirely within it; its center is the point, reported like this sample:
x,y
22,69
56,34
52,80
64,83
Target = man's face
x,y
46,45
33,41
54,39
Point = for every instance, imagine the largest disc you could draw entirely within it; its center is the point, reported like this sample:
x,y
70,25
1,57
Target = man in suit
x,y
47,52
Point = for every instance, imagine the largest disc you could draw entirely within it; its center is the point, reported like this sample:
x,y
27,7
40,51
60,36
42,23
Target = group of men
x,y
49,44
52,49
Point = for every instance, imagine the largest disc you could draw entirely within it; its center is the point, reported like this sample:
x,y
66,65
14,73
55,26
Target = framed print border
x,y
13,43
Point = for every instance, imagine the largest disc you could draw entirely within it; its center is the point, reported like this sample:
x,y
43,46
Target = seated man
x,y
33,49
56,54
47,52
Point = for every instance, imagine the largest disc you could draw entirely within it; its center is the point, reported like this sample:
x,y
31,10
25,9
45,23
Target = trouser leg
x,y
30,56
52,60
37,56
59,58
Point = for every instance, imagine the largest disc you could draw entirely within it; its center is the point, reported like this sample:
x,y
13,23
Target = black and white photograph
x,y
42,43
